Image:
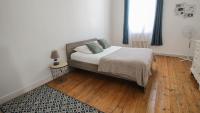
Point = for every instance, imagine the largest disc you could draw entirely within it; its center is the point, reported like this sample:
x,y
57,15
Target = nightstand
x,y
59,70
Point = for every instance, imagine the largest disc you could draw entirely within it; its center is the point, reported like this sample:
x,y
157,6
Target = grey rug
x,y
46,100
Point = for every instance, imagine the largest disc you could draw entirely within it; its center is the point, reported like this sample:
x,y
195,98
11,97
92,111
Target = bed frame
x,y
76,64
82,65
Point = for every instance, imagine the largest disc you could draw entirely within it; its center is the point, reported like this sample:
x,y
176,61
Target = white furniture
x,y
59,70
196,62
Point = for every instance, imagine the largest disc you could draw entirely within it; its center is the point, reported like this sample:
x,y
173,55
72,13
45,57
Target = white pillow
x,y
83,49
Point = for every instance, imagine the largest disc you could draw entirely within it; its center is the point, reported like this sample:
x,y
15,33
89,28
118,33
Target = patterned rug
x,y
45,99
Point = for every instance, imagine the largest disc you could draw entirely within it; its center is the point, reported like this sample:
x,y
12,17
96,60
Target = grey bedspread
x,y
130,63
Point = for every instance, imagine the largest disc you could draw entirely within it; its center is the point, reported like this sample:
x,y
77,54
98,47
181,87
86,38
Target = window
x,y
141,16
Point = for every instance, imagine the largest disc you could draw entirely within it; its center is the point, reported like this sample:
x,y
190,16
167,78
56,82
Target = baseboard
x,y
181,57
170,55
21,91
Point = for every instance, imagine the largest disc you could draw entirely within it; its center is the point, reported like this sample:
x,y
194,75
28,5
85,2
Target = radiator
x,y
140,44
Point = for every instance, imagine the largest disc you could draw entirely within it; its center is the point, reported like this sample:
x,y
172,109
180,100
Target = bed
x,y
132,64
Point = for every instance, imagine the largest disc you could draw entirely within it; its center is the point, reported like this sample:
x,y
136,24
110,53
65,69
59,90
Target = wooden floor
x,y
171,89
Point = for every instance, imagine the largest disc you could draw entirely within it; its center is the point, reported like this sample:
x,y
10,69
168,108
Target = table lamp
x,y
55,56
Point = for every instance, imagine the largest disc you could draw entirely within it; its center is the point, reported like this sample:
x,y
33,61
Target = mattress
x,y
93,58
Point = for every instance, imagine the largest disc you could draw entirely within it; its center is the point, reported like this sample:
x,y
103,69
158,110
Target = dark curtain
x,y
157,31
126,29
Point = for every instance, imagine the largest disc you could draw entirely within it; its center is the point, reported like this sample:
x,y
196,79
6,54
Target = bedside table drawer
x,y
57,72
65,69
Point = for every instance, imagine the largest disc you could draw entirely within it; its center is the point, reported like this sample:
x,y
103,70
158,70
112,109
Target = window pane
x,y
142,14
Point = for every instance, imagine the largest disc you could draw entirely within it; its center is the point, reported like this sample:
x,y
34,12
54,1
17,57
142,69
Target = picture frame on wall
x,y
185,10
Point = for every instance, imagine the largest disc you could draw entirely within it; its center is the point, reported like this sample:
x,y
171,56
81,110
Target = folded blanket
x,y
131,63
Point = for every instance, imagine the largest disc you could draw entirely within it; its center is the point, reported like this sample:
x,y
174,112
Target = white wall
x,y
30,29
174,43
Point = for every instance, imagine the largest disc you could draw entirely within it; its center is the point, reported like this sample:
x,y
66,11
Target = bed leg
x,y
143,89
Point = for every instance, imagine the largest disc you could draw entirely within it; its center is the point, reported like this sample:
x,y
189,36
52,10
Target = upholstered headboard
x,y
70,47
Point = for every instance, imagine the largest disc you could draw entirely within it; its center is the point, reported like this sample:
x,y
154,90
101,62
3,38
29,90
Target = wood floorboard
x,y
171,89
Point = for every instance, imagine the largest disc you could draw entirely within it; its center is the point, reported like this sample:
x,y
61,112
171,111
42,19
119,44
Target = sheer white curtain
x,y
141,22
